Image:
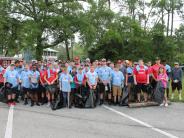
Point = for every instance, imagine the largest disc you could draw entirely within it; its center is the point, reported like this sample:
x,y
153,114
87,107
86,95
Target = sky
x,y
115,7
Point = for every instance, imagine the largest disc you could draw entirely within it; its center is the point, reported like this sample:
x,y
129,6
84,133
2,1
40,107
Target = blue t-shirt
x,y
12,77
24,77
92,77
1,69
80,77
35,77
104,73
65,80
129,71
117,78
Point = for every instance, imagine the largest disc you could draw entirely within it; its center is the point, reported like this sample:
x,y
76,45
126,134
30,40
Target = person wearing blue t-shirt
x,y
11,80
104,75
34,85
117,83
65,81
92,79
25,82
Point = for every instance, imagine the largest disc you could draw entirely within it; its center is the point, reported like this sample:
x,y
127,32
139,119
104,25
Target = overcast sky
x,y
177,19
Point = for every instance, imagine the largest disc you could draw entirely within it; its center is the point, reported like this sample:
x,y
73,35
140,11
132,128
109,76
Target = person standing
x,y
11,78
2,71
141,80
65,81
117,82
34,80
92,79
25,83
129,81
176,80
154,72
104,78
51,77
163,79
168,71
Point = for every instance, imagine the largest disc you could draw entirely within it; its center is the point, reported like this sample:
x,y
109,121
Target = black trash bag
x,y
91,100
2,94
80,101
124,98
58,104
159,93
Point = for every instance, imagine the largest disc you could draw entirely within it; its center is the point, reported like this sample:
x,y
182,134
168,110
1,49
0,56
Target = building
x,y
49,54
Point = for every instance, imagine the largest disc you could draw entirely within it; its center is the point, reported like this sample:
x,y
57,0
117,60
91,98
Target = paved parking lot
x,y
101,122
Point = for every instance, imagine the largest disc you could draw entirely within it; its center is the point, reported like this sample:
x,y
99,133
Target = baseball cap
x,y
176,63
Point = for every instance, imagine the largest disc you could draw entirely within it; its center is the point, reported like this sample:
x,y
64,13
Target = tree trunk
x,y
109,4
39,49
67,50
162,15
172,16
168,20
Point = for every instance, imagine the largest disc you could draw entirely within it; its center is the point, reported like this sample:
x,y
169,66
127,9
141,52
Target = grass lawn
x,y
176,97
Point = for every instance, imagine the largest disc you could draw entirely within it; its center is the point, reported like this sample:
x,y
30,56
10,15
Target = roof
x,y
51,50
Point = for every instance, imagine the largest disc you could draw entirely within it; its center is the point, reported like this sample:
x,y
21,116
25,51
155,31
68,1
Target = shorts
x,y
177,86
102,88
42,88
141,87
116,90
13,90
34,90
25,90
51,88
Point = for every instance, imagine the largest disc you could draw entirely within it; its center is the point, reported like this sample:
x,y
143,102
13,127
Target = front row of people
x,y
43,85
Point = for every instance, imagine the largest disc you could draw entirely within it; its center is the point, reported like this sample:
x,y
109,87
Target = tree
x,y
50,22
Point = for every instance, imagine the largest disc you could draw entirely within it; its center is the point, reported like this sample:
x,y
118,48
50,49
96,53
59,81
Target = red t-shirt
x,y
1,76
155,69
141,73
53,75
42,75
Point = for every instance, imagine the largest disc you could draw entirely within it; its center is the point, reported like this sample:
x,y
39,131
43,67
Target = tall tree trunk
x,y
172,16
39,52
67,50
109,4
39,49
162,15
168,22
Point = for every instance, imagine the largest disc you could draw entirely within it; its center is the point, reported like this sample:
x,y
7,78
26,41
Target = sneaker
x,y
25,103
172,97
180,97
162,104
166,104
37,104
32,104
48,104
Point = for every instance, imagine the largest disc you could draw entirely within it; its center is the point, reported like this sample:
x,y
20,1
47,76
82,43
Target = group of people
x,y
41,81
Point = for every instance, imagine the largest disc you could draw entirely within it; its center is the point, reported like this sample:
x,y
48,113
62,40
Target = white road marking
x,y
141,122
9,125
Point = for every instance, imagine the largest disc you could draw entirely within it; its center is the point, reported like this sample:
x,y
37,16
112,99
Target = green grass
x,y
176,97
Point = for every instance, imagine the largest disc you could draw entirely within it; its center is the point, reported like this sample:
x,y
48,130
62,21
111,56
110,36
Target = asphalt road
x,y
120,122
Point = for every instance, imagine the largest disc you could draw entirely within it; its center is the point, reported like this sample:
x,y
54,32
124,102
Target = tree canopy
x,y
141,29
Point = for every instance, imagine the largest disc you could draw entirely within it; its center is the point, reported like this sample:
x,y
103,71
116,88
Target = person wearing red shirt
x,y
141,80
50,78
155,70
2,71
43,83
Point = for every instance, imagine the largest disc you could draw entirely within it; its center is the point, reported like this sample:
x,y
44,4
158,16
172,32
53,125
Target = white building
x,y
49,54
